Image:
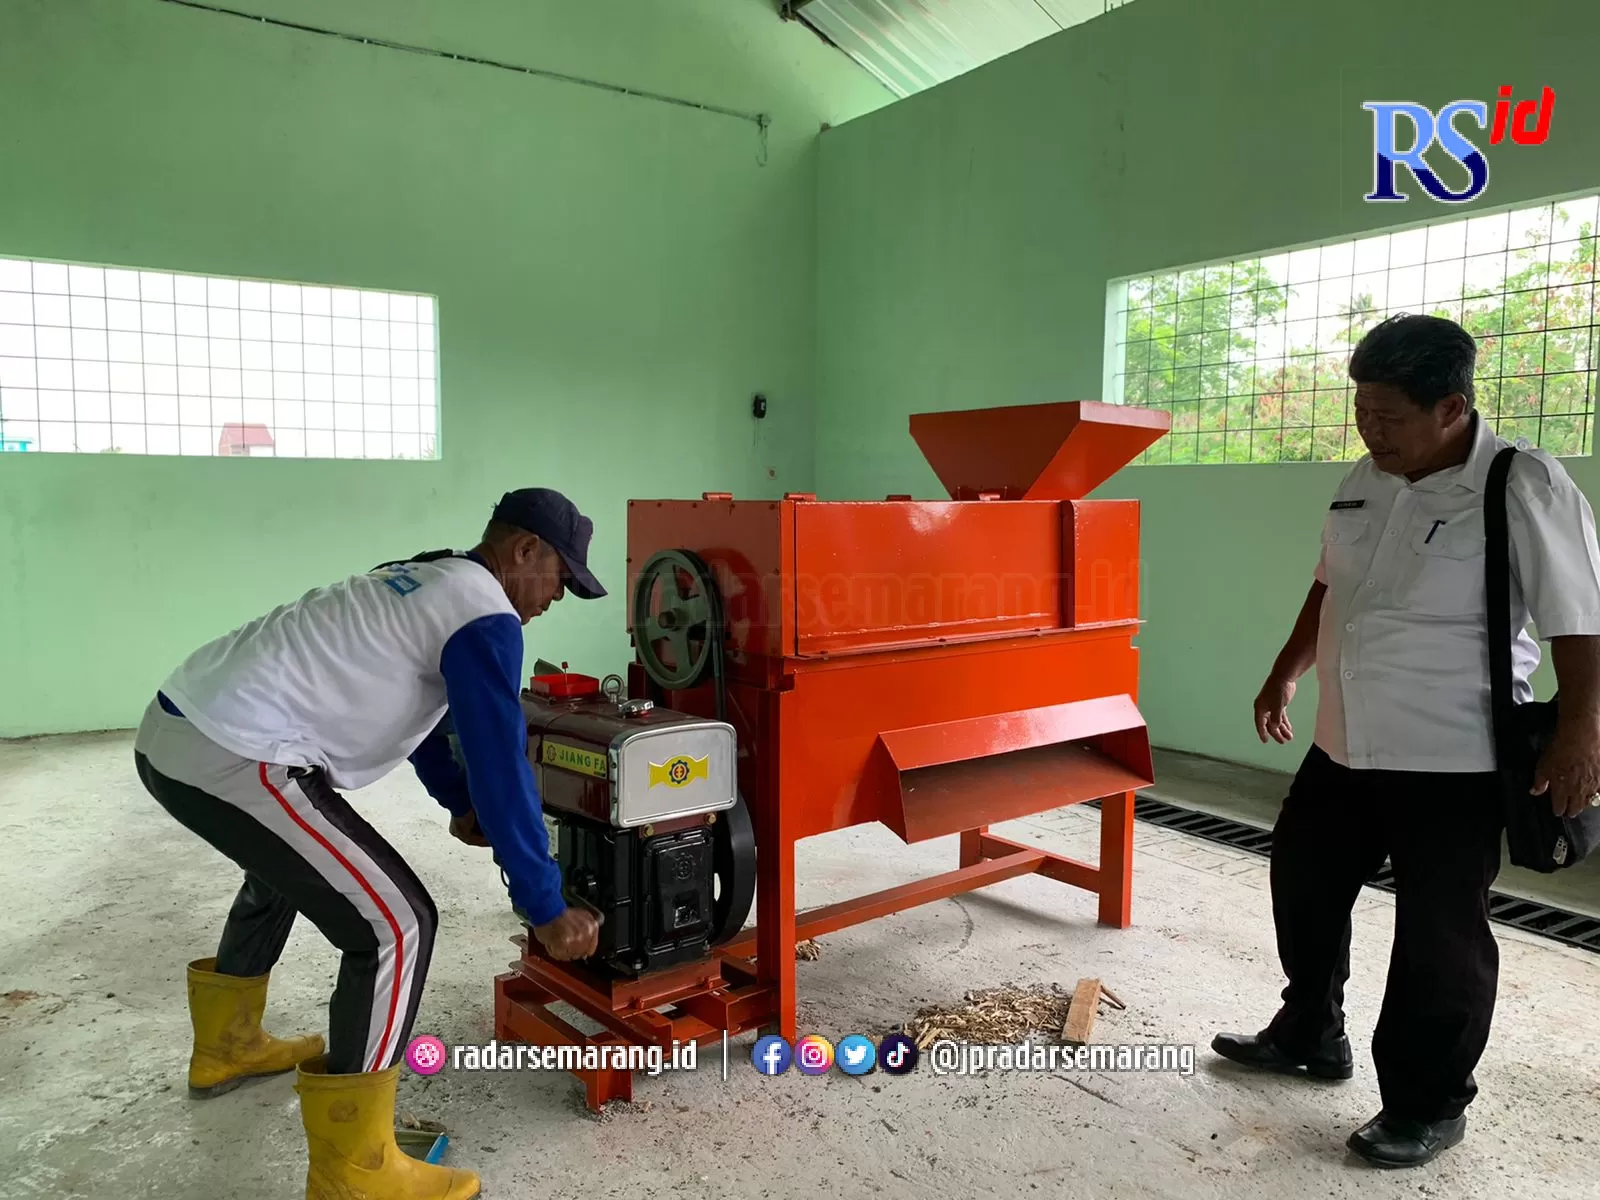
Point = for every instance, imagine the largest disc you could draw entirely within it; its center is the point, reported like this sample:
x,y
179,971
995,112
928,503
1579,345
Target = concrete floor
x,y
107,899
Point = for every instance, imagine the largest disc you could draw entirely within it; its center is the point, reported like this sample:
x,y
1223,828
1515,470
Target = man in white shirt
x,y
248,742
1402,761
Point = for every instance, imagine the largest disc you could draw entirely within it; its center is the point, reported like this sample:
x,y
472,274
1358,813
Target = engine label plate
x,y
573,758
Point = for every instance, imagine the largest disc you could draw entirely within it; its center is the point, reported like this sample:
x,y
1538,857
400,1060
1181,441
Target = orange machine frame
x,y
938,667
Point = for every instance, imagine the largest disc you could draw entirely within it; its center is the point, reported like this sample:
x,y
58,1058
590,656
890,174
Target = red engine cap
x,y
565,686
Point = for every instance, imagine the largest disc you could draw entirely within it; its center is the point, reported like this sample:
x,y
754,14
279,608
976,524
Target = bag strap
x,y
1497,586
429,556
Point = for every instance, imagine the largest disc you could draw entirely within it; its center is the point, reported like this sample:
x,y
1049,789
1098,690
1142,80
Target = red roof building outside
x,y
241,441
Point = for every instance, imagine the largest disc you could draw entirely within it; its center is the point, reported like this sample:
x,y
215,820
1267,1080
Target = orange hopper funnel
x,y
1035,451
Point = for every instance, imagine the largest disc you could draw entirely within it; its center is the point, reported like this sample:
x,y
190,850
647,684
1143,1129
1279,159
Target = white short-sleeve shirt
x,y
1402,649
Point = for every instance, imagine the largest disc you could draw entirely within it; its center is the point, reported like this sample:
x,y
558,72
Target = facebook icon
x,y
771,1055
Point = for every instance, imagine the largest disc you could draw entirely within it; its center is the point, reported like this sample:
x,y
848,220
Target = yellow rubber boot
x,y
349,1122
229,1044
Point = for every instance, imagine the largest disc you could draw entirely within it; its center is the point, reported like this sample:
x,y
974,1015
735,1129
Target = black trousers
x,y
304,850
1441,834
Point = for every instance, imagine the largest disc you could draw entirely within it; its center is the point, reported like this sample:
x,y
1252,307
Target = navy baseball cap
x,y
556,520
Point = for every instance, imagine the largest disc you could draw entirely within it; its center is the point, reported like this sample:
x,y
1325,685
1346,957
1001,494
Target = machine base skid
x,y
737,993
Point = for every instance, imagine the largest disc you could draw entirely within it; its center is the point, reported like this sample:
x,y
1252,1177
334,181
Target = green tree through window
x,y
1253,371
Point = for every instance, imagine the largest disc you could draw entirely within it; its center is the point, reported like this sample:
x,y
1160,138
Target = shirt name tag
x,y
1338,504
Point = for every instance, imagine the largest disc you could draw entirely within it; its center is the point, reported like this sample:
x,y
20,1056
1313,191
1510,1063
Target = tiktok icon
x,y
897,1054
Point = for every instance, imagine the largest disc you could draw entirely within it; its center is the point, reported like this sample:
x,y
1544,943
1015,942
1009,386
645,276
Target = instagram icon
x,y
813,1054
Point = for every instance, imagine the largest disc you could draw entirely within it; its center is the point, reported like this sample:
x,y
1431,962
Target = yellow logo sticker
x,y
571,758
679,771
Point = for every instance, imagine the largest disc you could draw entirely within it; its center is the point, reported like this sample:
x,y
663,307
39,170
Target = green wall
x,y
966,237
616,277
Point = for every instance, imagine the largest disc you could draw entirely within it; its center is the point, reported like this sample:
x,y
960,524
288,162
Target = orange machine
x,y
938,667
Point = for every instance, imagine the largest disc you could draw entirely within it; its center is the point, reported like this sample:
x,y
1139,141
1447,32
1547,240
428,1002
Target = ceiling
x,y
909,45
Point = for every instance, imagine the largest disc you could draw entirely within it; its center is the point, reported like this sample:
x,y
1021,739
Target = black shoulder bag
x,y
1535,837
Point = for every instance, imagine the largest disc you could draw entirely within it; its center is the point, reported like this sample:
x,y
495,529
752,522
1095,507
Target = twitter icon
x,y
856,1055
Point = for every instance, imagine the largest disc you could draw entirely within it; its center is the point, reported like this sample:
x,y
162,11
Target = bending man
x,y
247,741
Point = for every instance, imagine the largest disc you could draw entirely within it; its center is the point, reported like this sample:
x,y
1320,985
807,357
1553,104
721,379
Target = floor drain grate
x,y
1558,924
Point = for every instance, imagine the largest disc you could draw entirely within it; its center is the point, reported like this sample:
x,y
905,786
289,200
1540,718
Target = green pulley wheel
x,y
675,618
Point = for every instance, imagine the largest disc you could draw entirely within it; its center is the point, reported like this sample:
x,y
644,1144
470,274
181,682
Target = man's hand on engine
x,y
465,829
574,934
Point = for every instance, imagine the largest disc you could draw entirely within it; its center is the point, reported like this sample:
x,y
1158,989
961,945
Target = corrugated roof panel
x,y
910,45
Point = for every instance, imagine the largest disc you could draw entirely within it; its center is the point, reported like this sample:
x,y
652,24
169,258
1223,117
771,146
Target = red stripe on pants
x,y
399,938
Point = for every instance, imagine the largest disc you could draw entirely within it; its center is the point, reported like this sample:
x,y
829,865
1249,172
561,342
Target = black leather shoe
x,y
1387,1141
1258,1050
